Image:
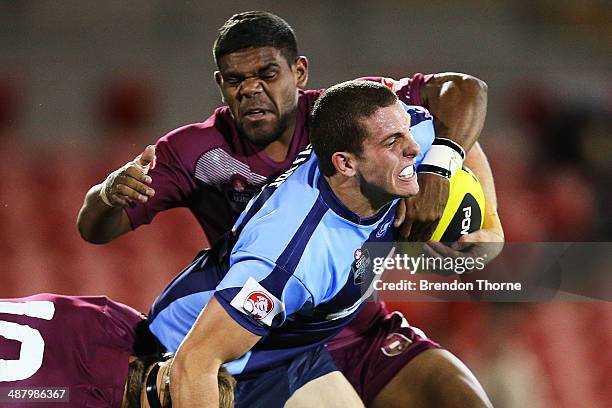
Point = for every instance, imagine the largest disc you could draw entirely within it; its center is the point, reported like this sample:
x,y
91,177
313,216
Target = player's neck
x,y
348,191
277,150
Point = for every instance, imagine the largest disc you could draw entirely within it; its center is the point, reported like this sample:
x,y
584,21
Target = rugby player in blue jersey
x,y
286,279
257,136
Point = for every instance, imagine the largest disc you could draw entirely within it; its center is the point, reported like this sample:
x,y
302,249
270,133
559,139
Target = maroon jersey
x,y
79,343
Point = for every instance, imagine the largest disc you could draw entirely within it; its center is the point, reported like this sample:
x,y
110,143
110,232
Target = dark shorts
x,y
370,360
272,388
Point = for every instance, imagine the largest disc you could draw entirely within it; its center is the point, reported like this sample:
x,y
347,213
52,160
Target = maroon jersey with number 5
x,y
79,343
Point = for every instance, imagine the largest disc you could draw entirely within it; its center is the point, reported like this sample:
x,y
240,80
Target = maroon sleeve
x,y
172,183
121,324
408,90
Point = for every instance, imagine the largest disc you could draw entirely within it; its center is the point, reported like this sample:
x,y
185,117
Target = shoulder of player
x,y
418,114
286,220
67,311
308,97
200,136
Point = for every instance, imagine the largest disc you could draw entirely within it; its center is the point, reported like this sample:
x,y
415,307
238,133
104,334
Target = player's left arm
x,y
490,238
458,103
214,339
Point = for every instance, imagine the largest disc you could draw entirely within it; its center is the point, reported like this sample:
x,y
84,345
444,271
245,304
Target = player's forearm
x,y
477,161
99,223
458,103
214,338
194,380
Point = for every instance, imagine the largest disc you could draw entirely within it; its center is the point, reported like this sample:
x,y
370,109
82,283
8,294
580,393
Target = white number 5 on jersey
x,y
32,343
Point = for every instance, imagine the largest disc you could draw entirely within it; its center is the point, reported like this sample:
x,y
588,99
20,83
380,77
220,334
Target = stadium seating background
x,y
84,87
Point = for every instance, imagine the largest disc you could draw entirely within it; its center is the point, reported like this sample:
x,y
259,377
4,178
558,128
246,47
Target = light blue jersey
x,y
292,269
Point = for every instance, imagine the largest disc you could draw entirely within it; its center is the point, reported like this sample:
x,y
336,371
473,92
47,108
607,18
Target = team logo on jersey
x,y
395,85
383,230
388,82
239,182
395,344
255,301
360,265
258,305
238,192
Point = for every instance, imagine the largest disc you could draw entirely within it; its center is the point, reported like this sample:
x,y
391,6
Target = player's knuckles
x,y
134,172
125,190
119,179
137,186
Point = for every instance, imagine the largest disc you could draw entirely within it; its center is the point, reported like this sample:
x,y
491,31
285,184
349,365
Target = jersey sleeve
x,y
421,128
259,295
172,183
408,90
120,324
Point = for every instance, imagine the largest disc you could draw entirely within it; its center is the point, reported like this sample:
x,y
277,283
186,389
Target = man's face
x,y
386,165
261,89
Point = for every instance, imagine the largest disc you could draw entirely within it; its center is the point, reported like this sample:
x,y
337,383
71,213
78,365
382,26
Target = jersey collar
x,y
339,208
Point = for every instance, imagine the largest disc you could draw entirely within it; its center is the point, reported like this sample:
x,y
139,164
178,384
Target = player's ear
x,y
218,80
344,163
300,71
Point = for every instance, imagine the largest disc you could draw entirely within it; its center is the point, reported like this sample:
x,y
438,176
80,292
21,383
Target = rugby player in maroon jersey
x,y
213,167
82,351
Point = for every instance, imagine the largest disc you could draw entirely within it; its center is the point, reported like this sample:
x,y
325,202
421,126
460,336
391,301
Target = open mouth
x,y
407,172
254,114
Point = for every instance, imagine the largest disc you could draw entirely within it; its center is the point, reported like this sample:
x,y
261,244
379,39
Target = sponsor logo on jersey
x,y
359,267
255,301
258,305
395,344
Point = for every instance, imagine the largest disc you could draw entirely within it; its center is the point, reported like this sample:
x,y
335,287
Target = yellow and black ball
x,y
464,211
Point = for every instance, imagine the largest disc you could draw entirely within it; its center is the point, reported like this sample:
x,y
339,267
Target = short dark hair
x,y
335,124
255,29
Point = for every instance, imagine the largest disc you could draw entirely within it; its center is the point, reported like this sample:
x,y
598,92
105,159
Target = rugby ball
x,y
464,211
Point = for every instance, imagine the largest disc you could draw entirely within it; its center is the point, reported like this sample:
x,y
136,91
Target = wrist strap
x,y
443,158
103,193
